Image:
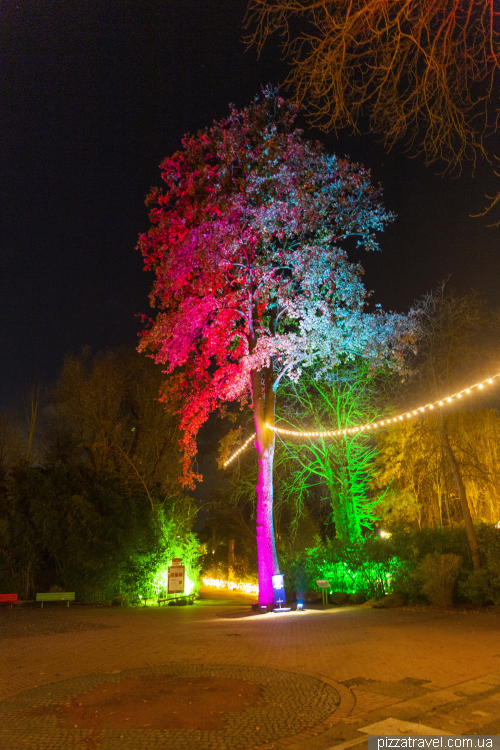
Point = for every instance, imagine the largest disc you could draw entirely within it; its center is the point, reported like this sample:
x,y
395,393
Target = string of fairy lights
x,y
240,450
380,424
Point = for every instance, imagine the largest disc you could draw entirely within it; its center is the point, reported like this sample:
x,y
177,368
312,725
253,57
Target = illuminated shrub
x,y
414,545
476,588
428,565
483,586
404,582
365,567
147,574
362,567
438,574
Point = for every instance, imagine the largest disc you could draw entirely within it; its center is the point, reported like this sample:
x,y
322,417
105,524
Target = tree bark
x,y
469,526
345,513
266,547
263,408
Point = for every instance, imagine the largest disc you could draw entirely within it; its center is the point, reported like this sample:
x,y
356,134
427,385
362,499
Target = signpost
x,y
176,576
324,586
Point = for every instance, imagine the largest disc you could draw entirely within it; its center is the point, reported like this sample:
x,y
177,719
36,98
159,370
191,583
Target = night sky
x,y
94,94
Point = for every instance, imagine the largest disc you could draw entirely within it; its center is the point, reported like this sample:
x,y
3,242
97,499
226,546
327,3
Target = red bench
x,y
8,598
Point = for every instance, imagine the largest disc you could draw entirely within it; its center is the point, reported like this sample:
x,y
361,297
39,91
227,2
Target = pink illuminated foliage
x,y
253,283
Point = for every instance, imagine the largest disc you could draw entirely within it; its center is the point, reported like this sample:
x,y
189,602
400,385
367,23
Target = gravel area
x,y
290,703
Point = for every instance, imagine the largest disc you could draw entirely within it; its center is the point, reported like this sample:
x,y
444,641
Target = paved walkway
x,y
439,669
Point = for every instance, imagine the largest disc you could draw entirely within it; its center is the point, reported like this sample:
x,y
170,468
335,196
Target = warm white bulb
x,y
459,395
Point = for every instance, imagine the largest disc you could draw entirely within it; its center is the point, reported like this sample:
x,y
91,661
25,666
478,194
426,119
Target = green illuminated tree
x,y
339,467
313,472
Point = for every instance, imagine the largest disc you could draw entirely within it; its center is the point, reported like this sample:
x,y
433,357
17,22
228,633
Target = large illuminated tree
x,y
253,283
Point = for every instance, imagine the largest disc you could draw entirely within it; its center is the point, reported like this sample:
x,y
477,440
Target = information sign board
x,y
279,589
176,579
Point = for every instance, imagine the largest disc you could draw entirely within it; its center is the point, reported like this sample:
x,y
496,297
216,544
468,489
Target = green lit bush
x,y
147,574
361,567
422,565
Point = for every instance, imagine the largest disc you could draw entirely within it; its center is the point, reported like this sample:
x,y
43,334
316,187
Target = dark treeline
x,y
89,492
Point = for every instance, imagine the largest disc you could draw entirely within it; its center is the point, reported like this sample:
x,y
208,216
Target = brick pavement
x,y
443,667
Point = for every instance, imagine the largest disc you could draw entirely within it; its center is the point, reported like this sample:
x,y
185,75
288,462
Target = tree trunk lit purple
x,y
266,547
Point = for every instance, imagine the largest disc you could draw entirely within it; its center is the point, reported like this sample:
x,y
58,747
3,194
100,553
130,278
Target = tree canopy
x,y
251,276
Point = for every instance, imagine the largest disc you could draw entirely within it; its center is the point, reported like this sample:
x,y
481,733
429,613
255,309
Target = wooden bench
x,y
8,598
56,596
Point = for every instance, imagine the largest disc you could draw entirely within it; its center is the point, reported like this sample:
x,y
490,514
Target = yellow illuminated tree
x,y
454,348
412,462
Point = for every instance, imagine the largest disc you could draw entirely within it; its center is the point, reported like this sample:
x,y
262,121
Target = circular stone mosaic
x,y
179,707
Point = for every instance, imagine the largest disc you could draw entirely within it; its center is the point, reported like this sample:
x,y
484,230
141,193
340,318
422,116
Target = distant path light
x,y
218,583
372,425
